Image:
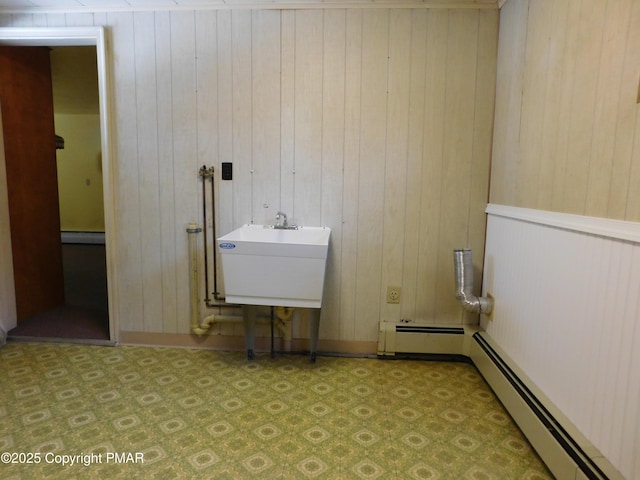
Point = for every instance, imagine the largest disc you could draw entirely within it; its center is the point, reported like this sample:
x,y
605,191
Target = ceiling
x,y
98,4
116,5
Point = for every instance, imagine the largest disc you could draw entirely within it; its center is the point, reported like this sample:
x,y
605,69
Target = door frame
x,y
73,36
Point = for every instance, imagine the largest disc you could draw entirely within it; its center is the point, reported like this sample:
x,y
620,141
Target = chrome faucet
x,y
281,221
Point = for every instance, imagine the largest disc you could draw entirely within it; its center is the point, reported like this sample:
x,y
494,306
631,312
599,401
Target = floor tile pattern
x,y
165,413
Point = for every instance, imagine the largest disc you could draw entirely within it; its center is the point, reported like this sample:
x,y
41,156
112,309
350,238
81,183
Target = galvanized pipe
x,y
464,284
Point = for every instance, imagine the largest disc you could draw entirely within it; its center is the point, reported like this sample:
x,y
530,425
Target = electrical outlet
x,y
393,294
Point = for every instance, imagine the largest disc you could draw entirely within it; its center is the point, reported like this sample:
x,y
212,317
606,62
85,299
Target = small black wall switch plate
x,y
227,171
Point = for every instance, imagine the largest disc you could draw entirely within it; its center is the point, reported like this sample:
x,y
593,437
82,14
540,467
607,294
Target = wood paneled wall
x,y
374,122
567,128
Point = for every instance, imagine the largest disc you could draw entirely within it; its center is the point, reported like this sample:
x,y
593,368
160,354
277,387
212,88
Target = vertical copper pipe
x,y
203,174
213,230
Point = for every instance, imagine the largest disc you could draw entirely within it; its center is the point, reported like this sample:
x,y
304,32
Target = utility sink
x,y
263,265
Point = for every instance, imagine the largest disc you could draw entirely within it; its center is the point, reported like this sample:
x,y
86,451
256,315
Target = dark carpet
x,y
85,313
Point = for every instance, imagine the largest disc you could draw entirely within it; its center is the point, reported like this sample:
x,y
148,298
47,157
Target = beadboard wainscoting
x,y
567,311
375,122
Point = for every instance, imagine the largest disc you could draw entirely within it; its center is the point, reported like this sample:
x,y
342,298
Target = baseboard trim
x,y
209,342
236,343
84,238
565,451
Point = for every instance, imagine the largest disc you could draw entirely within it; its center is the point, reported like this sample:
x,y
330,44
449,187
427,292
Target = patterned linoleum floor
x,y
183,413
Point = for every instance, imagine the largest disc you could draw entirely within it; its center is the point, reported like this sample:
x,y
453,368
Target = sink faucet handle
x,y
281,219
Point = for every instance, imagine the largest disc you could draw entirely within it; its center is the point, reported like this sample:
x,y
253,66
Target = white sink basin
x,y
267,266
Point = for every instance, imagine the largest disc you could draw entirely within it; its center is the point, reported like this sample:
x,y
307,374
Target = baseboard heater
x,y
412,338
565,451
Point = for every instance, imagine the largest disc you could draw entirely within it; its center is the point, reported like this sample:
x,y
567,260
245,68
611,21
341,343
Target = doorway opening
x,y
84,182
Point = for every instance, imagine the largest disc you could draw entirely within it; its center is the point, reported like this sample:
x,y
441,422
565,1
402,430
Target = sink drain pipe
x,y
464,284
197,327
284,314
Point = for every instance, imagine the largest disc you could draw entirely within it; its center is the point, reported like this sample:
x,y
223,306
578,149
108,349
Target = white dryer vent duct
x,y
464,284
